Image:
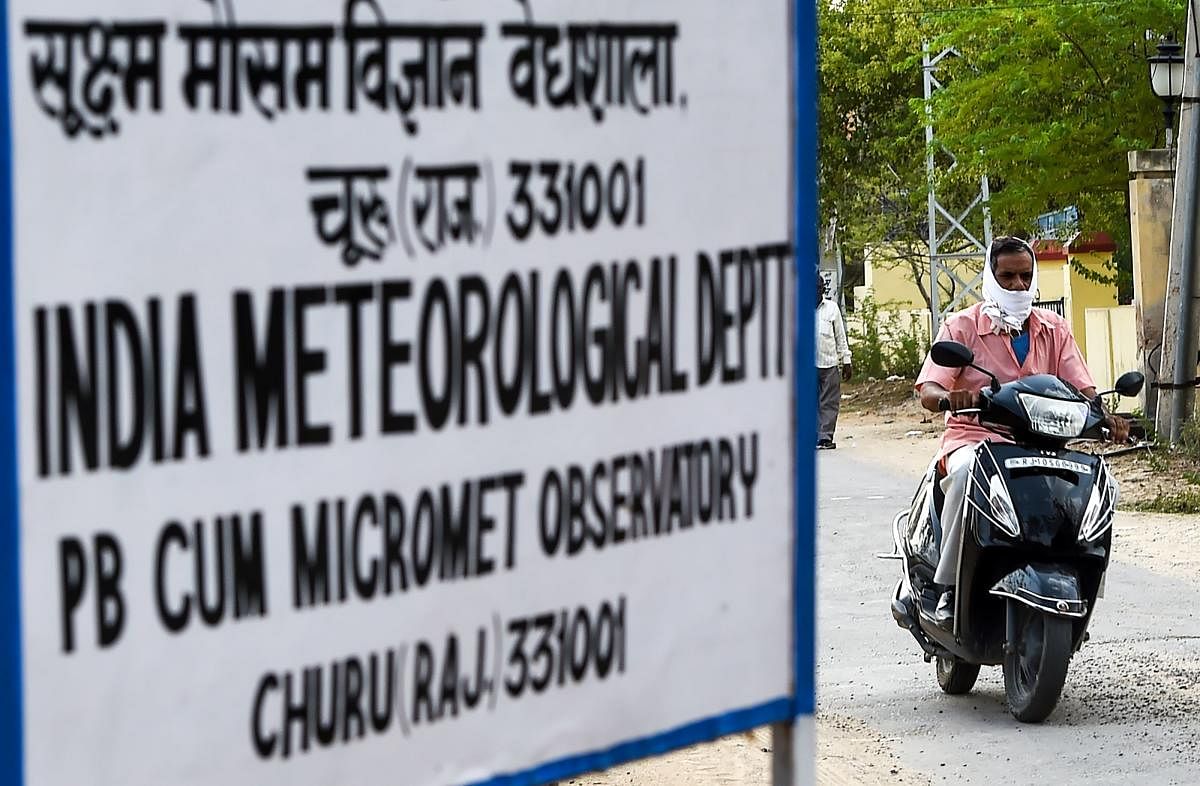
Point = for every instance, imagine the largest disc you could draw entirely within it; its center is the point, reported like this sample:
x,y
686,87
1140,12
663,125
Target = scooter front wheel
x,y
956,676
1035,664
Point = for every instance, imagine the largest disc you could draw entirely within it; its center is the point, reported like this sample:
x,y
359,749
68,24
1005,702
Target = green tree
x,y
1047,99
872,143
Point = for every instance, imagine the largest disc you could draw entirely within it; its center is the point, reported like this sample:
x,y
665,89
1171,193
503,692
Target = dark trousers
x,y
829,400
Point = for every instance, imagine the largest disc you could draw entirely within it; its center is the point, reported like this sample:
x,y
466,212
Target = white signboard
x,y
403,389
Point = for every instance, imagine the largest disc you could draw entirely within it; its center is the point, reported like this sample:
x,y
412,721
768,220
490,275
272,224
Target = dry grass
x,y
878,397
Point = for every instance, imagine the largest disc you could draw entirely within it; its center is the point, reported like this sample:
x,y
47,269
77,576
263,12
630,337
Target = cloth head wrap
x,y
1007,309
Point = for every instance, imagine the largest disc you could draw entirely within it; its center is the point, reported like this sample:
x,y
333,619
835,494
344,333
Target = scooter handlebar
x,y
944,406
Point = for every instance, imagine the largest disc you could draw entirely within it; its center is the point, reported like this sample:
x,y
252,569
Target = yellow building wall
x,y
889,281
1060,280
1111,343
1083,294
1052,279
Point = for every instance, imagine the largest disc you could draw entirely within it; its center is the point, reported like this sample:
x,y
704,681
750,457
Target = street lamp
x,y
1166,78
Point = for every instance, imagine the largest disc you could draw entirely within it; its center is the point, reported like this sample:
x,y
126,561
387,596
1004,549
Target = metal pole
x,y
935,308
783,755
986,189
793,761
941,265
1179,323
840,271
1169,116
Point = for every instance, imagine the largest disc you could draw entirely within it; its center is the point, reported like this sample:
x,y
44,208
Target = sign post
x,y
402,392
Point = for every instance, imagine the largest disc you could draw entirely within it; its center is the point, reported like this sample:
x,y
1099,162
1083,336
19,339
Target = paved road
x,y
1130,712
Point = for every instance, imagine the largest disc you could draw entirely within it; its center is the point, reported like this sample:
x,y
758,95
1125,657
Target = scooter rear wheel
x,y
1035,666
955,676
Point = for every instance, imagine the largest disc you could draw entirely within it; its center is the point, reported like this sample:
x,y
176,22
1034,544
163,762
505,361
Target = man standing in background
x,y
833,365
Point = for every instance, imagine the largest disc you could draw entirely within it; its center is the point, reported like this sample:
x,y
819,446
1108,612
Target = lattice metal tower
x,y
948,227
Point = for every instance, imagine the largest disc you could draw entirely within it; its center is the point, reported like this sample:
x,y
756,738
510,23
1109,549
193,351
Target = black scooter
x,y
1037,532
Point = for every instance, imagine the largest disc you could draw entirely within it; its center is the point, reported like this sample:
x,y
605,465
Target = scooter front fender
x,y
1053,589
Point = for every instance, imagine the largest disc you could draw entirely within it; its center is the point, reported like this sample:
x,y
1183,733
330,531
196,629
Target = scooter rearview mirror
x,y
951,354
1130,383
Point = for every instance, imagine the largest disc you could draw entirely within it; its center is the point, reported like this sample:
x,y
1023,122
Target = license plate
x,y
1027,462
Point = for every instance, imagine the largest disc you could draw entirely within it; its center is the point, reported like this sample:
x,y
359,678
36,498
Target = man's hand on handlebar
x,y
1118,428
954,400
935,398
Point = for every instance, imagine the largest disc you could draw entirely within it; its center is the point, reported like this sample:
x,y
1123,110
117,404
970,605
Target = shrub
x,y
866,342
910,345
884,346
1189,439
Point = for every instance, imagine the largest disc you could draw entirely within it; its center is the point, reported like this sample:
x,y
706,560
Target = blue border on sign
x,y
12,731
775,711
804,428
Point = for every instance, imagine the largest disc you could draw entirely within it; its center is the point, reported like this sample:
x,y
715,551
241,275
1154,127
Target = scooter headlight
x,y
1052,417
1004,515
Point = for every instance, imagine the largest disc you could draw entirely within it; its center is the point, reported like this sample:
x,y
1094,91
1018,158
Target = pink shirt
x,y
1052,350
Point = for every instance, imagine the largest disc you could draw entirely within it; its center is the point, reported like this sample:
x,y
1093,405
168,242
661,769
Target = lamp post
x,y
1166,79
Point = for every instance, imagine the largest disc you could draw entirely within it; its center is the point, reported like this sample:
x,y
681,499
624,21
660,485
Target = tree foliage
x,y
1046,98
871,143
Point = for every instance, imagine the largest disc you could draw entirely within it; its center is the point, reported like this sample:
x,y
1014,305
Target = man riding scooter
x,y
1012,339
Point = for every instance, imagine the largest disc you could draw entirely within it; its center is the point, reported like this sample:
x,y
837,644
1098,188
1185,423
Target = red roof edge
x,y
1048,250
1093,242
